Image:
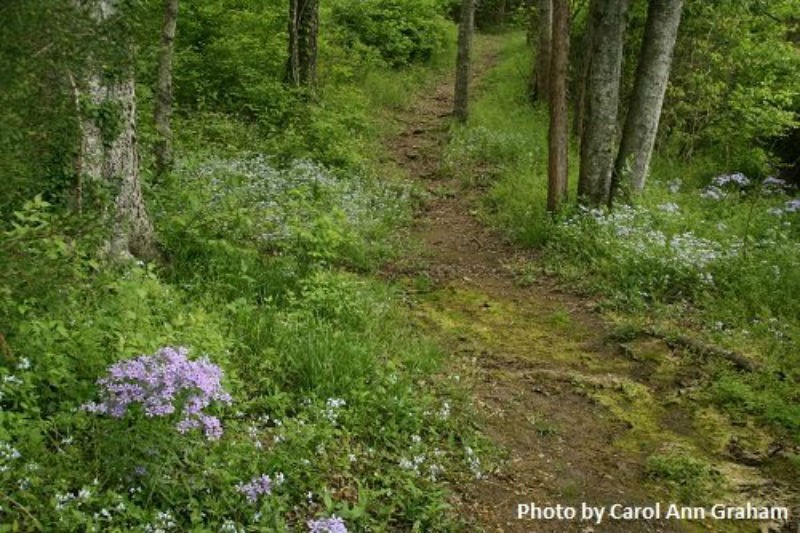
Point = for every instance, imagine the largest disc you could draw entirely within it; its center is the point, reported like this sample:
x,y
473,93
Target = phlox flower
x,y
164,383
333,524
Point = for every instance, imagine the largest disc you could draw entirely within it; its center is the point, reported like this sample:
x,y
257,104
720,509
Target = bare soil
x,y
575,414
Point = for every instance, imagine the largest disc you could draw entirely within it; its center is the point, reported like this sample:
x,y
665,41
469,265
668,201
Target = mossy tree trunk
x,y
465,30
108,150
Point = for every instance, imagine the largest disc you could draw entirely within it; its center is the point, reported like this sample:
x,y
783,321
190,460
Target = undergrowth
x,y
299,391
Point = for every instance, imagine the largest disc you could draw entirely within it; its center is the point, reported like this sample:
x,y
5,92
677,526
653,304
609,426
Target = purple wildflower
x,y
164,383
256,487
333,524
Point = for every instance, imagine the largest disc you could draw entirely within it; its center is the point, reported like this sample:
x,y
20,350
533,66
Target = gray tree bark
x,y
109,152
465,30
163,108
598,145
585,66
652,75
301,67
545,35
558,135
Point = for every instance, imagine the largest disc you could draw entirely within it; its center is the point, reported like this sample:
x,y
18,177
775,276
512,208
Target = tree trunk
x,y
598,146
109,153
585,66
133,231
545,36
303,29
652,74
465,29
559,129
163,109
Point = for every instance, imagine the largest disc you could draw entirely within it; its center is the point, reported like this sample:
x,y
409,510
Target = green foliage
x,y
402,32
231,59
693,480
733,86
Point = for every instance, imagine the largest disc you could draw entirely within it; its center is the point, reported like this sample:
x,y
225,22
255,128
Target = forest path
x,y
576,415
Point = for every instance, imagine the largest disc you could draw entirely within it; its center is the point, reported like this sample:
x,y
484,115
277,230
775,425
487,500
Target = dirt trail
x,y
576,415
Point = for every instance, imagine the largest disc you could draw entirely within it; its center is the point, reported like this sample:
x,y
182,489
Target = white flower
x,y
669,207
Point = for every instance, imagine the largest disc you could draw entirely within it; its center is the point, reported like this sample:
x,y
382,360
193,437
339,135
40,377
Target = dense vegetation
x,y
250,374
319,382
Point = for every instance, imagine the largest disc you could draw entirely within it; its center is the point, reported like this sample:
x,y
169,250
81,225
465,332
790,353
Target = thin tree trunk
x,y
545,35
652,75
598,146
585,67
163,109
559,129
465,29
293,65
303,29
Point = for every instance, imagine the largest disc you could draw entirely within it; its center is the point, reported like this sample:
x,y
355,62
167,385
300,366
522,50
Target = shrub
x,y
404,32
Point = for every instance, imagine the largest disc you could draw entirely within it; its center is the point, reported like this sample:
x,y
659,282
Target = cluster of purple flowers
x,y
162,384
333,524
256,487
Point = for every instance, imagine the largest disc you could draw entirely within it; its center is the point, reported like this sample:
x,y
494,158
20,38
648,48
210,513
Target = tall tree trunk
x,y
545,37
163,109
585,67
465,29
109,153
133,231
301,67
652,75
598,146
559,128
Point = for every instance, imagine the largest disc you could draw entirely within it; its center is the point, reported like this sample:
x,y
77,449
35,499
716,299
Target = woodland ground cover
x,y
705,247
252,380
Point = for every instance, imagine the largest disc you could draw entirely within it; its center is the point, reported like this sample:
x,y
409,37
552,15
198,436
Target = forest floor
x,y
575,413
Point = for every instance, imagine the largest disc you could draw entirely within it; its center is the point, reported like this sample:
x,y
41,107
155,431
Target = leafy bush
x,y
403,32
733,89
